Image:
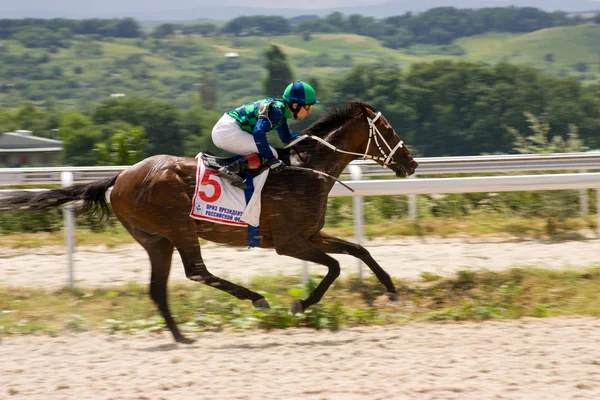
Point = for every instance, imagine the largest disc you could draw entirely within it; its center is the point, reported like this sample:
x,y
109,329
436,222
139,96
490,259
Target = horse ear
x,y
361,108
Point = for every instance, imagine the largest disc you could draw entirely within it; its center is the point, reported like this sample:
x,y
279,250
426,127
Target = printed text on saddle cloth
x,y
216,200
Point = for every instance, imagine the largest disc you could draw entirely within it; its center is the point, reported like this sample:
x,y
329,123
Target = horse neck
x,y
323,158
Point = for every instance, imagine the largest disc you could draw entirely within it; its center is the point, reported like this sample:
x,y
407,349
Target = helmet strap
x,y
294,110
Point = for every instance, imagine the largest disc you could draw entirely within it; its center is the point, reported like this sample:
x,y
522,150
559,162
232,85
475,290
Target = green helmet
x,y
300,92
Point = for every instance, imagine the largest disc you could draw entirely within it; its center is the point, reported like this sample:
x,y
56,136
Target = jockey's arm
x,y
260,138
285,134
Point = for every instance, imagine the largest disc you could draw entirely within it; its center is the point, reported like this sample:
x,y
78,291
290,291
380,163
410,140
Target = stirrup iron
x,y
235,179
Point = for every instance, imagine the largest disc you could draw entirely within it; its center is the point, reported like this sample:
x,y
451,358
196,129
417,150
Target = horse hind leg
x,y
306,251
160,251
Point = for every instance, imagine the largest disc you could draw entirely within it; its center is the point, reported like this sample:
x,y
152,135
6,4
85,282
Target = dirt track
x,y
533,359
557,358
402,258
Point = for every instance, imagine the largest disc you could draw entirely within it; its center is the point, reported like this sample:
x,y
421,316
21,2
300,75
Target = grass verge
x,y
468,296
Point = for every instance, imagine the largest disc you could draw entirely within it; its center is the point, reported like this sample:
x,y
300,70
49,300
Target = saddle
x,y
212,161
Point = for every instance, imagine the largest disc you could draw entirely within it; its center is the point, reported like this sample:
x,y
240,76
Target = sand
x,y
556,358
402,258
552,358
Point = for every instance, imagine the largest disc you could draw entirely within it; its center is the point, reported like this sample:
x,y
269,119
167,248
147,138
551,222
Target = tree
x,y
197,124
209,97
164,30
123,147
79,137
30,118
279,74
554,205
581,67
257,25
128,28
159,119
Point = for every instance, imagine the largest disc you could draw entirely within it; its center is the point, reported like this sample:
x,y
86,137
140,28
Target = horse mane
x,y
336,118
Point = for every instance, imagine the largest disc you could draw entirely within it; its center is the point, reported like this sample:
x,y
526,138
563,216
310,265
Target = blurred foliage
x,y
439,109
553,214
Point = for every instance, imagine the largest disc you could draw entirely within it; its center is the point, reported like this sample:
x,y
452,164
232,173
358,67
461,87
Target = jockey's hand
x,y
276,165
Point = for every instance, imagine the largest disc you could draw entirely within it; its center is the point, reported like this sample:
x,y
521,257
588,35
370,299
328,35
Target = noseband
x,y
374,135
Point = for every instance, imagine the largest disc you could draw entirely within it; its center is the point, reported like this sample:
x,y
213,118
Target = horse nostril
x,y
413,164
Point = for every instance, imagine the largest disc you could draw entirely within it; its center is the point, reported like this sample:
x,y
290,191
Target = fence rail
x,y
469,185
427,166
411,187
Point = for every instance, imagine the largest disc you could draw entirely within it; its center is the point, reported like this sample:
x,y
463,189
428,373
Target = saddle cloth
x,y
217,200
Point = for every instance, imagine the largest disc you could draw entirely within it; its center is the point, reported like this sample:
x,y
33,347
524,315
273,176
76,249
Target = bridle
x,y
374,135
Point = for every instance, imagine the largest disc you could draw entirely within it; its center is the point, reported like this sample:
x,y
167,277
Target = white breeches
x,y
227,135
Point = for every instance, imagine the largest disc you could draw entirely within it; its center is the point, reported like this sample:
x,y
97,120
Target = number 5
x,y
206,181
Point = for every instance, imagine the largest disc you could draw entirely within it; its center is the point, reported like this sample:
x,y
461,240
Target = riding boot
x,y
232,172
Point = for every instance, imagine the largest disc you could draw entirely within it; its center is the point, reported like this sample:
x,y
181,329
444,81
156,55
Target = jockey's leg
x,y
227,135
234,171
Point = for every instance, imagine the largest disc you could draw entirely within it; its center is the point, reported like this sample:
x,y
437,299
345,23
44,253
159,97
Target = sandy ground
x,y
401,258
528,359
555,358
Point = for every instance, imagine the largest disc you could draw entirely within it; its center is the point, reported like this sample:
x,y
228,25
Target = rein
x,y
374,135
319,173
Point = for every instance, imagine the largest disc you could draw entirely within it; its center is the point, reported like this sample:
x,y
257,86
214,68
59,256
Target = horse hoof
x,y
261,304
392,296
297,307
184,340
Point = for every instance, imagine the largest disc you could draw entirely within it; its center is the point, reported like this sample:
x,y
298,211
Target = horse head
x,y
381,143
358,131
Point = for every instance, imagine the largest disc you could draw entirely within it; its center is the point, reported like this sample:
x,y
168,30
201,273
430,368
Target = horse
x,y
153,199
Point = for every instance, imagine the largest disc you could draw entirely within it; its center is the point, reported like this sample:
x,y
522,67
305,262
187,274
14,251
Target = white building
x,y
22,148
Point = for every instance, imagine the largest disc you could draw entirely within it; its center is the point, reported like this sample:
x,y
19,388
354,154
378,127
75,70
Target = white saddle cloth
x,y
217,200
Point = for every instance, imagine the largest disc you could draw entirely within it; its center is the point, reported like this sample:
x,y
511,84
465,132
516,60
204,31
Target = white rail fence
x,y
427,166
362,188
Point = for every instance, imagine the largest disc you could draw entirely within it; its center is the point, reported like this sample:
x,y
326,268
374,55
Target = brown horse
x,y
153,199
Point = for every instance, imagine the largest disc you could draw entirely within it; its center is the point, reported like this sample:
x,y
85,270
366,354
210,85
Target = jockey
x,y
243,131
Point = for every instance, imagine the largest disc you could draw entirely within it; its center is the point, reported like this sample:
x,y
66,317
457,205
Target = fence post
x,y
305,275
598,212
357,203
412,204
584,209
66,179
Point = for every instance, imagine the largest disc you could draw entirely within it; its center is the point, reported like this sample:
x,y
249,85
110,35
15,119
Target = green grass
x,y
569,46
468,296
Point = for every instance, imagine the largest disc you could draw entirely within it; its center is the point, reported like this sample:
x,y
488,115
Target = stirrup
x,y
234,178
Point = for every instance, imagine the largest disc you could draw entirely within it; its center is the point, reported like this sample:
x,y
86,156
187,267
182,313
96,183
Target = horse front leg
x,y
186,243
333,245
304,250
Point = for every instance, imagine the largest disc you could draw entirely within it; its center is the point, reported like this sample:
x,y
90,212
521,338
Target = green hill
x,y
172,69
569,46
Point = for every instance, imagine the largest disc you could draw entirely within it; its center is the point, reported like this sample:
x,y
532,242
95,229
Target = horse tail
x,y
93,195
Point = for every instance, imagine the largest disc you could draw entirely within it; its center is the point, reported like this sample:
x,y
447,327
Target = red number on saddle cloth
x,y
206,181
